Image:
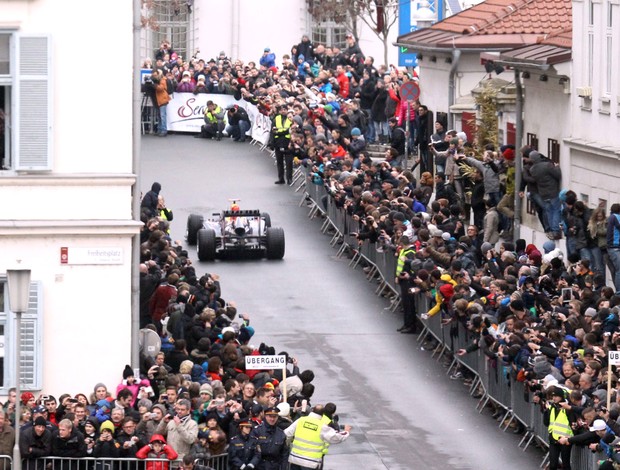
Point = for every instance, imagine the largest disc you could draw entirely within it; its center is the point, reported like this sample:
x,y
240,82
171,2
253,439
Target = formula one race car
x,y
235,231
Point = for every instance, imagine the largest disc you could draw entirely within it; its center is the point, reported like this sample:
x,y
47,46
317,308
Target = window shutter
x,y
31,333
33,110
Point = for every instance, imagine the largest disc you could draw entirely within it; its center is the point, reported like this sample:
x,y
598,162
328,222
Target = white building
x,y
66,188
244,28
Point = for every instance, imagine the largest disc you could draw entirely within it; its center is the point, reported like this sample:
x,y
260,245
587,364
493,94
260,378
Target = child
x,y
157,449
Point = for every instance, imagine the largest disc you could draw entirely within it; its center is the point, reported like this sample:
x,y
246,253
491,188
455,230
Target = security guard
x,y
281,135
244,451
214,121
405,281
310,434
272,442
559,417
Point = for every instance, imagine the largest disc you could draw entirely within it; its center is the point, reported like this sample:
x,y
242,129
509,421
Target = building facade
x,y
66,186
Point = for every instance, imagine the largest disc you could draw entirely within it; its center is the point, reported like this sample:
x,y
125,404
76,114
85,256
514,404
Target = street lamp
x,y
19,293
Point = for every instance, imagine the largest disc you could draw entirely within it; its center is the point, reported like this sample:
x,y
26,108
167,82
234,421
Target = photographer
x,y
560,420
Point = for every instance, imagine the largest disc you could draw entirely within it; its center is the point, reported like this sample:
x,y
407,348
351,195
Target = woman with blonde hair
x,y
597,230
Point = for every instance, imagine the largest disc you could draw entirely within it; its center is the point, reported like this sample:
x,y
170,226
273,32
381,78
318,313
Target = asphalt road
x,y
405,412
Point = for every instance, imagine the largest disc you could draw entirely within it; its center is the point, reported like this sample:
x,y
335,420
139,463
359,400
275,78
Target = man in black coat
x,y
68,442
149,201
238,123
35,442
422,139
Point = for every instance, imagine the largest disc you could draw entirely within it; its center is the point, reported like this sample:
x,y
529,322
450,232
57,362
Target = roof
x,y
549,50
496,25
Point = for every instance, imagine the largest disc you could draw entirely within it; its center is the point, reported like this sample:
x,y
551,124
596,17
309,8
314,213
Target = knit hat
x,y
99,385
509,154
26,397
201,78
447,290
127,372
548,246
245,334
485,247
206,388
161,408
356,131
40,421
107,425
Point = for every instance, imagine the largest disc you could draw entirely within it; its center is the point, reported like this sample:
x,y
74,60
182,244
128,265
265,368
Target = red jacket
x,y
167,452
158,305
343,83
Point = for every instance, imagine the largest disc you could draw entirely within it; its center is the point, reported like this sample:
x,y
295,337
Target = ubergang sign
x,y
265,362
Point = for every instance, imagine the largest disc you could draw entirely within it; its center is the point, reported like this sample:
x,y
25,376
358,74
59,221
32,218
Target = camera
x,y
289,360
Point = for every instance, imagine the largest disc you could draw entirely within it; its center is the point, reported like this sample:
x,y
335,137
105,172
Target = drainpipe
x,y
456,55
135,190
234,31
518,157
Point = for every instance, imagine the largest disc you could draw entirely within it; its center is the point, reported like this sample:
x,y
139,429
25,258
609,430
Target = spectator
x,y
377,111
423,138
34,442
162,98
547,177
268,59
157,449
181,429
68,441
238,123
7,437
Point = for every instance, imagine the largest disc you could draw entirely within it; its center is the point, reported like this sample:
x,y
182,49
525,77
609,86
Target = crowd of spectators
x,y
545,315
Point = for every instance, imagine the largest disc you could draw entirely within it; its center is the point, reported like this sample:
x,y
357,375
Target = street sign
x,y
614,358
265,362
410,91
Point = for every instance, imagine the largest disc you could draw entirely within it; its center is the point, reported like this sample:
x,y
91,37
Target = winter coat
x,y
546,176
167,452
74,446
378,106
32,446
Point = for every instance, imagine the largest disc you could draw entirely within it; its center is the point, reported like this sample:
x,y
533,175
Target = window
x,y
25,102
553,150
530,207
585,198
609,63
31,345
532,141
330,35
172,20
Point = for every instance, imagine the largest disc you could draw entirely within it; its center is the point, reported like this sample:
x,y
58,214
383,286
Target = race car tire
x,y
267,219
206,244
194,223
275,243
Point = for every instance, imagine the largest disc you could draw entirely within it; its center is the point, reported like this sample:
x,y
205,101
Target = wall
x,y
85,201
243,28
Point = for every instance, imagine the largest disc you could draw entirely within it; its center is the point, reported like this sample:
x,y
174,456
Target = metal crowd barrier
x,y
215,462
491,382
5,462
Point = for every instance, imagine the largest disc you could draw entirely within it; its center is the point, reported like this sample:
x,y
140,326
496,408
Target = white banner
x,y
614,358
186,113
265,362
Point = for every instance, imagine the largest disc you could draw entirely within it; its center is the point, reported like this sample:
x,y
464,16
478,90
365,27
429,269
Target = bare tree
x,y
379,15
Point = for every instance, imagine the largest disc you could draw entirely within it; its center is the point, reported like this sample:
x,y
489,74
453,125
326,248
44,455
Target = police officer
x,y
244,453
272,442
281,135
